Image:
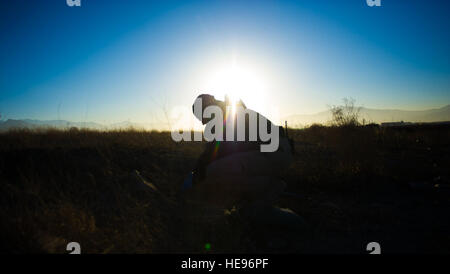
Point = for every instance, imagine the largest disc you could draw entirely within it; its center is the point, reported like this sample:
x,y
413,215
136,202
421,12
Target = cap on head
x,y
206,101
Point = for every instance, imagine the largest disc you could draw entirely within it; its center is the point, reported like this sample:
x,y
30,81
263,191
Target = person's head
x,y
206,100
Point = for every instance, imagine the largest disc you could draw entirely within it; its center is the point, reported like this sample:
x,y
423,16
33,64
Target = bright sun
x,y
238,82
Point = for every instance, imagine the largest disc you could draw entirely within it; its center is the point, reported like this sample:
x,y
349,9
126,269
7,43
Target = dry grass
x,y
78,185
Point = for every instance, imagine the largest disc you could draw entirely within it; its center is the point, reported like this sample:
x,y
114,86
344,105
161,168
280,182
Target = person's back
x,y
237,172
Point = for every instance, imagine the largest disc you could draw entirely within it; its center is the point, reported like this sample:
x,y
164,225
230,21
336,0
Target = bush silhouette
x,y
346,115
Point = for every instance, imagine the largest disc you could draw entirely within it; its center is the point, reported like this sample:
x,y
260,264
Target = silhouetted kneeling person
x,y
236,173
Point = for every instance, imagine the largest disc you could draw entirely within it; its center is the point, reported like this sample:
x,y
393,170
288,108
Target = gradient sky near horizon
x,y
110,61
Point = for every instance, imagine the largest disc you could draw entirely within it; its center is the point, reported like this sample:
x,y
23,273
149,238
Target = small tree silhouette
x,y
345,115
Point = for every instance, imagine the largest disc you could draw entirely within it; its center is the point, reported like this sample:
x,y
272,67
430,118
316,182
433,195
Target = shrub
x,y
345,115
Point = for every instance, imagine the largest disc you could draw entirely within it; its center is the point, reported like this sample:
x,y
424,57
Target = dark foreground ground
x,y
116,192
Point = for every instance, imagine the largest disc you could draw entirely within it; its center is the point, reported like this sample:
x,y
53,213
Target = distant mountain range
x,y
377,116
370,115
64,124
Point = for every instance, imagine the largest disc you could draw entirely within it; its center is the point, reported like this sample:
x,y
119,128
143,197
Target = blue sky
x,y
111,61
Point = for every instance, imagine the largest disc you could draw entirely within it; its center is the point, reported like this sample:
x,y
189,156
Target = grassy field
x,y
118,192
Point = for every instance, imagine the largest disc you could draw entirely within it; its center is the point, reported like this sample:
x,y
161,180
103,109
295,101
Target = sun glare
x,y
238,82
